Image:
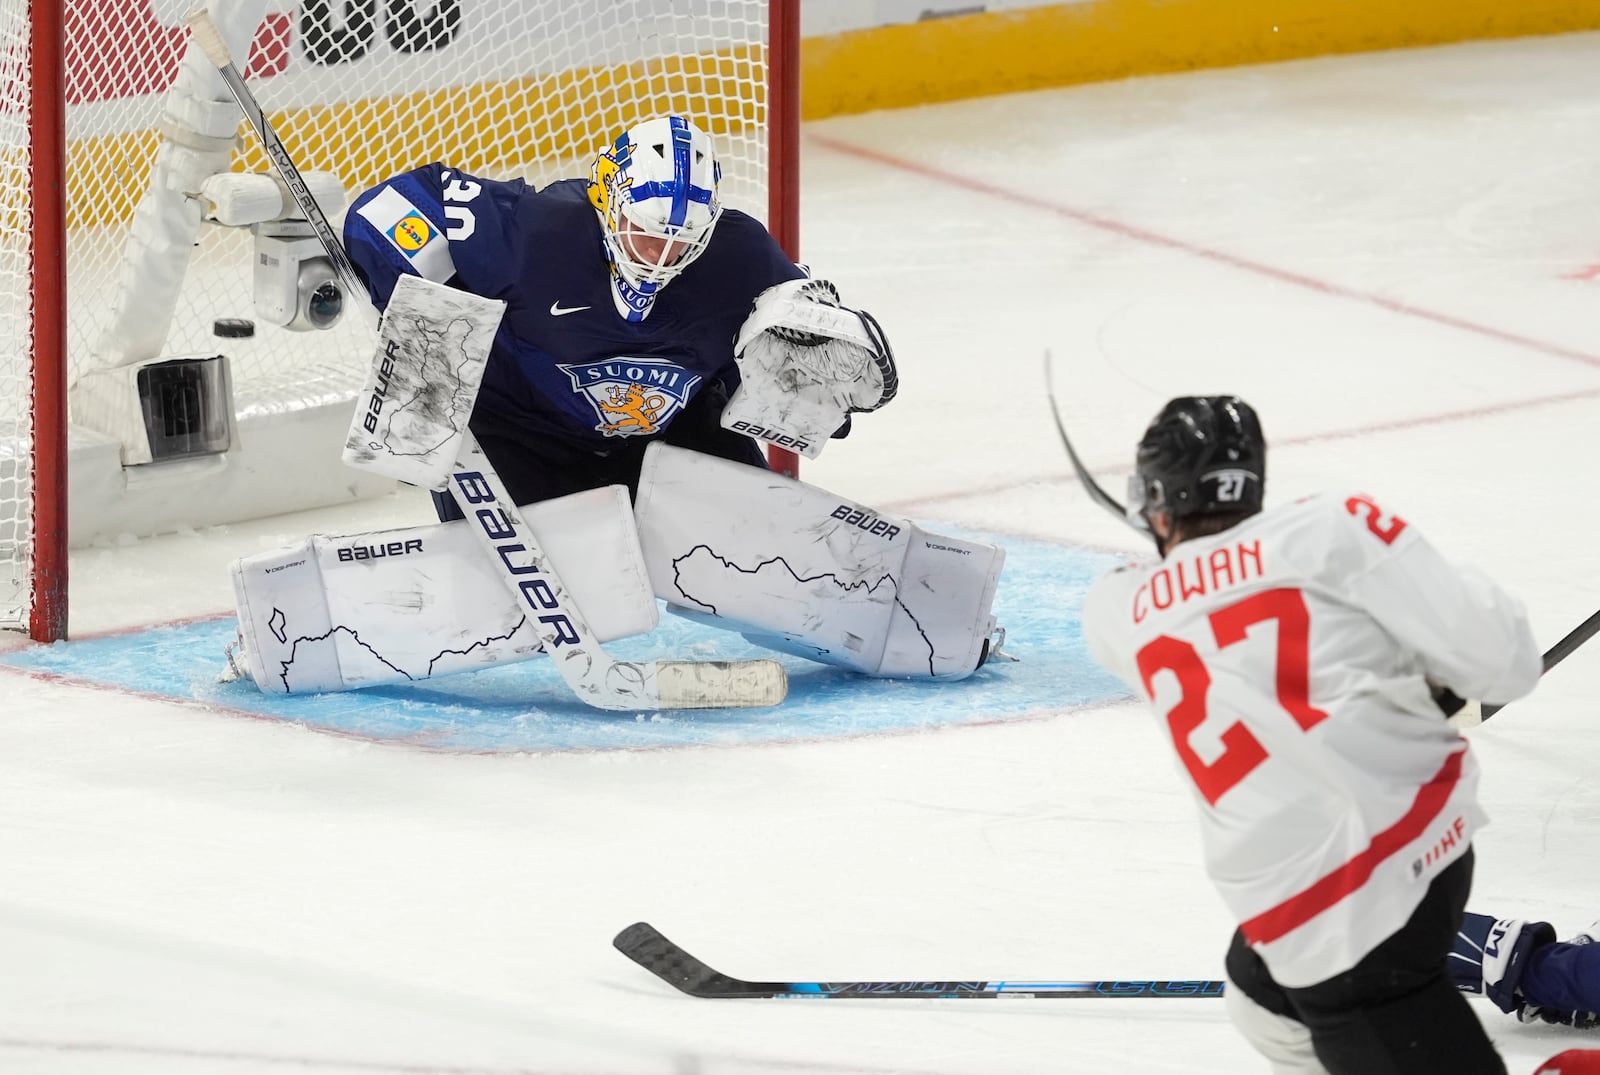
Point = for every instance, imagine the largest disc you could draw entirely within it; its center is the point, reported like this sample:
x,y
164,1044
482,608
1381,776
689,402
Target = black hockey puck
x,y
233,327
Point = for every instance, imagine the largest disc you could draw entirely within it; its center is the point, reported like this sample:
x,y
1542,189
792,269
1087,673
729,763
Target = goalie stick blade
x,y
720,684
641,686
648,947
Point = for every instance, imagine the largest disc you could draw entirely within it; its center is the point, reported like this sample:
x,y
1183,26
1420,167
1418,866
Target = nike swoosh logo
x,y
556,309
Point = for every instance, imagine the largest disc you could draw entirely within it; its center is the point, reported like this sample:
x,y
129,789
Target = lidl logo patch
x,y
411,232
425,248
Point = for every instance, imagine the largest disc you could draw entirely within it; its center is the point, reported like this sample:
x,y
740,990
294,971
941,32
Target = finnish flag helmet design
x,y
655,188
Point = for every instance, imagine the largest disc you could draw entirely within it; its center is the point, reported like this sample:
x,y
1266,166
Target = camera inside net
x,y
295,284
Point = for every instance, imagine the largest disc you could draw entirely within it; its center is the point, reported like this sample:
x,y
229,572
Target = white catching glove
x,y
805,364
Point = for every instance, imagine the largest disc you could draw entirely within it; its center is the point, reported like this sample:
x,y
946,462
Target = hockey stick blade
x,y
1560,651
1090,486
648,947
595,676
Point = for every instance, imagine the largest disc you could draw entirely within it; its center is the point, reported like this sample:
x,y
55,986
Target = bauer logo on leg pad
x,y
378,552
866,520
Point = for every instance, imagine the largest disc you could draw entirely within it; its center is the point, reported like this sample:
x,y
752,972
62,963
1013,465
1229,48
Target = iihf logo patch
x,y
632,397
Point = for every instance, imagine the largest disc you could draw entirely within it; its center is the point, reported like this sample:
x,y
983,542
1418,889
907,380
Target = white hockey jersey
x,y
1288,657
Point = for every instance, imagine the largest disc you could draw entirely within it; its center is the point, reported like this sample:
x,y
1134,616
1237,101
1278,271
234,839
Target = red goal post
x,y
33,315
358,88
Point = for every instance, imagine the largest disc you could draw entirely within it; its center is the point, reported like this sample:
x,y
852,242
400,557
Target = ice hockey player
x,y
1290,655
1524,970
648,336
625,295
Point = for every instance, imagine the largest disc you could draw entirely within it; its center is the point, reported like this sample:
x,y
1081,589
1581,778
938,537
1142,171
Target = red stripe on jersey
x,y
1300,908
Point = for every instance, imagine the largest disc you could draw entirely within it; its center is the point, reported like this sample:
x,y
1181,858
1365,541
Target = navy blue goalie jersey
x,y
566,365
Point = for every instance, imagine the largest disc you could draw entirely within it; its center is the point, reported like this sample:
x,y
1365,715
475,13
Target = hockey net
x,y
363,89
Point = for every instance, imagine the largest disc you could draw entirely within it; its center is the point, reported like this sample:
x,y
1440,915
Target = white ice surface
x,y
1393,256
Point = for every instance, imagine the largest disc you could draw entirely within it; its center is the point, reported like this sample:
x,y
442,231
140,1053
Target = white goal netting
x,y
359,88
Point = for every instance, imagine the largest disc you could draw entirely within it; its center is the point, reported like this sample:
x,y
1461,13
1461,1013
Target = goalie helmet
x,y
1202,455
655,188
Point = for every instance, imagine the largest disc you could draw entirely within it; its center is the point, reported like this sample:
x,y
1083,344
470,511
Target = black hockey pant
x,y
1397,1011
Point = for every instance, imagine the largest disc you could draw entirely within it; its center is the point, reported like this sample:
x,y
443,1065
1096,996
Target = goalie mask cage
x,y
359,88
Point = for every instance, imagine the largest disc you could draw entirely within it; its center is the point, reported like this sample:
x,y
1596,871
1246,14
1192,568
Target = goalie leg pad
x,y
337,613
803,571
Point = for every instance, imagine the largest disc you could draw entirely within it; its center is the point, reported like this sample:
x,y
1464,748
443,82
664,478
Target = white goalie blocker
x,y
800,570
411,417
338,613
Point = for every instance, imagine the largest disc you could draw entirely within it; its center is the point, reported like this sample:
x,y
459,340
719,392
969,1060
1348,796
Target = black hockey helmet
x,y
1202,455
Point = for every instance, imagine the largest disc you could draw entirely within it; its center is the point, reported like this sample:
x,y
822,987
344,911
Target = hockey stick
x,y
1090,486
594,675
645,945
1574,638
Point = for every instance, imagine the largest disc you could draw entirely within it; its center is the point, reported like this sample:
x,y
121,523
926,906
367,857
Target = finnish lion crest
x,y
632,397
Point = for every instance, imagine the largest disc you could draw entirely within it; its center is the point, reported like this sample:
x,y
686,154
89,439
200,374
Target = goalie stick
x,y
646,946
1448,701
594,676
